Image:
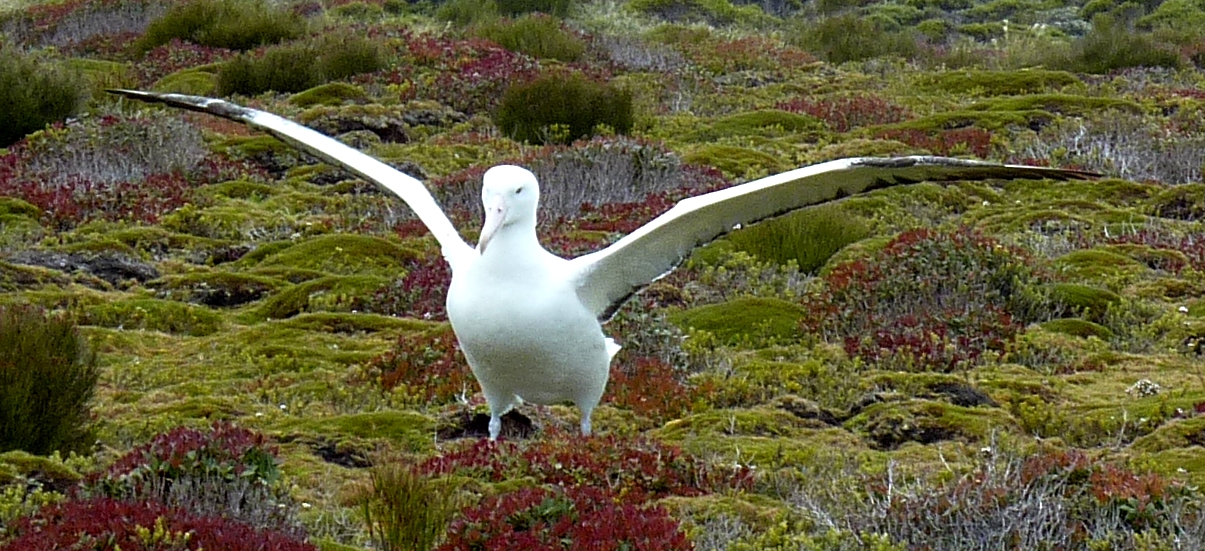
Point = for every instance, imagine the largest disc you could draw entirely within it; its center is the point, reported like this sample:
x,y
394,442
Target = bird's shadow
x,y
465,424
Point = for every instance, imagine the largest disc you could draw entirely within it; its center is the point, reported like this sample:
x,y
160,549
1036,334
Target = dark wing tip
x,y
988,169
192,103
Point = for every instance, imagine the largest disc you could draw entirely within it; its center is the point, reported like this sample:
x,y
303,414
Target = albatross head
x,y
510,195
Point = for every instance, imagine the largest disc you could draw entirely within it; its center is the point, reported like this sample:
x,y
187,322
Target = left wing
x,y
606,278
408,189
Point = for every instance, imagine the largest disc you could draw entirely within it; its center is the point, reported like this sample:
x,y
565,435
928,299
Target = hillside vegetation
x,y
210,340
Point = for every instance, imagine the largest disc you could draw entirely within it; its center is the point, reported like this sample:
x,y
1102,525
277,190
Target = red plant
x,y
975,141
145,526
636,468
430,365
421,293
650,388
175,56
847,113
575,518
226,451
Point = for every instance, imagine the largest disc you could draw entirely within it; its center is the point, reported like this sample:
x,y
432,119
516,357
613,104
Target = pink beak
x,y
495,215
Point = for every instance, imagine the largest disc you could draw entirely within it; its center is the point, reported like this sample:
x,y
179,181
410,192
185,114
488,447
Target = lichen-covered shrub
x,y
226,471
139,526
48,376
563,107
928,301
539,36
232,24
34,93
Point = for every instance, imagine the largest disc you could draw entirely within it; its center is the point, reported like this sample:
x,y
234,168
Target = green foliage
x,y
333,94
189,81
406,510
35,92
1086,300
1078,328
853,38
563,107
714,12
1111,46
48,376
299,67
1188,15
735,161
807,238
558,8
539,36
343,254
149,314
1000,83
233,24
768,122
467,12
764,321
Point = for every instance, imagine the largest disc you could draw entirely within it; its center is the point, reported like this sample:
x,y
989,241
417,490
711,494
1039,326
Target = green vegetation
x,y
405,510
299,67
539,36
48,377
35,92
232,24
563,107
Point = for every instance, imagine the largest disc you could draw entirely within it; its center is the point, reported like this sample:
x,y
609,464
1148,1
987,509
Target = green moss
x,y
1093,302
410,430
193,81
343,254
262,251
334,93
353,323
239,189
1178,433
862,147
891,424
1077,328
987,120
1184,202
734,161
16,207
1097,264
150,314
103,74
234,220
745,320
331,293
999,83
18,277
715,12
47,469
767,122
1063,104
216,287
808,237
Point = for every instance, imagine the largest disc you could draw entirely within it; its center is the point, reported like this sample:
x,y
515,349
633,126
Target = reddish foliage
x,y
110,524
845,114
638,469
649,387
421,293
928,301
752,53
175,56
225,450
431,365
576,518
975,141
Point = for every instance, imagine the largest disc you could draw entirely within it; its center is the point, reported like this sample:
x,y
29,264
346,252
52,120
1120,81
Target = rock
x,y
112,267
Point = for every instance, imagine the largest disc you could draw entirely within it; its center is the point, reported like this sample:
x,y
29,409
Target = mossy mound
x,y
1077,328
194,82
889,425
1091,302
353,323
999,83
749,320
239,189
103,74
985,119
735,161
234,220
1186,202
216,289
150,314
334,93
331,293
49,471
809,238
862,147
767,122
1180,433
18,277
410,430
342,254
1098,264
11,206
1062,104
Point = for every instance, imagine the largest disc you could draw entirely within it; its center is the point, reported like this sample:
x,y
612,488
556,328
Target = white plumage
x,y
529,321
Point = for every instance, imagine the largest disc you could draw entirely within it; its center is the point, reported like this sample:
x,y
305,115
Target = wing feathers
x,y
605,279
408,189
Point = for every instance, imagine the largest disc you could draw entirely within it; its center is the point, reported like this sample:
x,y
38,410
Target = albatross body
x,y
529,322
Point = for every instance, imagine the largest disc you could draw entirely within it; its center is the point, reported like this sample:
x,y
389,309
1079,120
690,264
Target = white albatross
x,y
528,321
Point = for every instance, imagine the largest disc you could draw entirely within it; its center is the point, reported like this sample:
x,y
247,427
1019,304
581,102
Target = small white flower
x,y
283,407
1183,309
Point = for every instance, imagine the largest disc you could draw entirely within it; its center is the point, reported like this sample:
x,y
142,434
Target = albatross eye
x,y
518,191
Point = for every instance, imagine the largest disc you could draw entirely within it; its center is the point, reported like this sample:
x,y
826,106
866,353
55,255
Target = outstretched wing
x,y
605,279
408,189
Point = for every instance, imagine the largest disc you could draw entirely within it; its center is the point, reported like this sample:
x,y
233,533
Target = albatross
x,y
530,322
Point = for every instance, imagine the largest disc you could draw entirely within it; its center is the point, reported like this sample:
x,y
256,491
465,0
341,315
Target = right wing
x,y
408,189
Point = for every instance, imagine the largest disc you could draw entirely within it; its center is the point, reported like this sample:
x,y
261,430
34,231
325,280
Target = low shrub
x,y
232,24
563,107
852,38
299,67
558,8
467,12
35,93
577,517
808,239
539,36
48,377
405,510
1112,46
929,301
847,113
226,471
428,367
138,526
